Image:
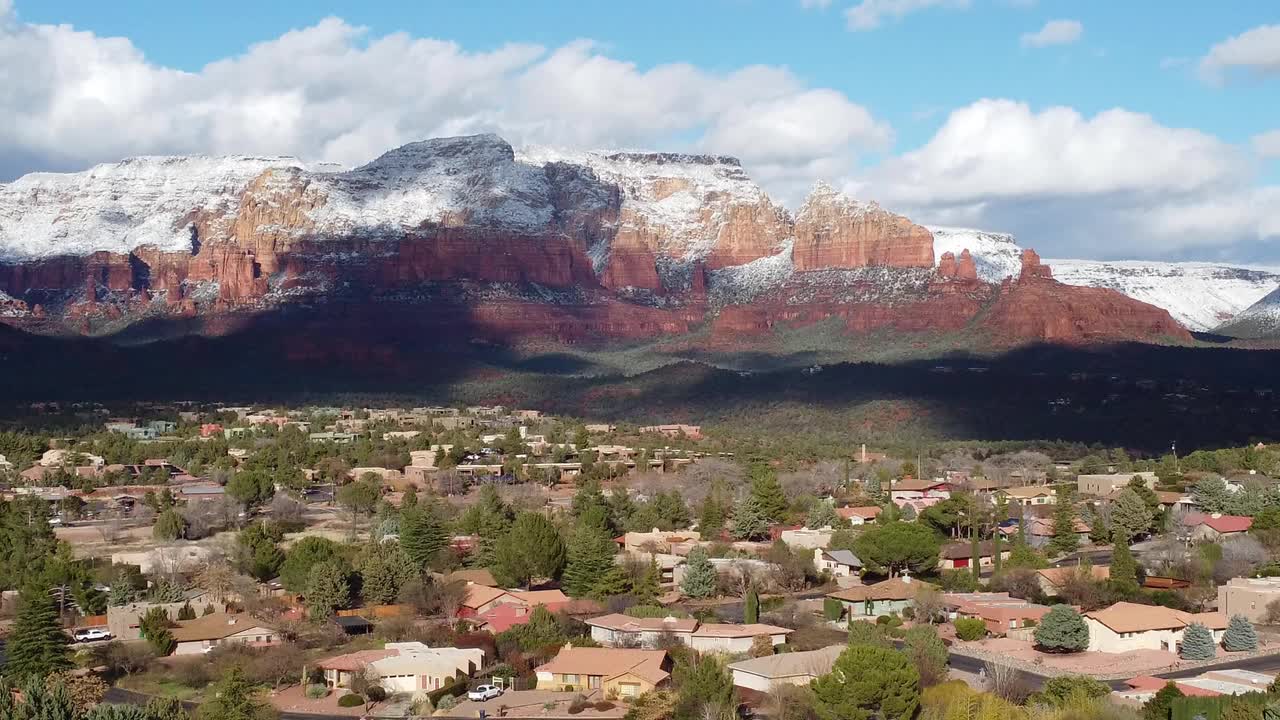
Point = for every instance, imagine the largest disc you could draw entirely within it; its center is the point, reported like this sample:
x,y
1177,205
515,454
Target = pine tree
x,y
699,575
327,590
751,608
234,697
866,682
1124,569
1160,706
1240,635
1064,538
1062,630
532,548
646,590
154,626
37,646
749,520
169,526
384,569
410,500
421,536
590,570
186,612
1197,643
767,493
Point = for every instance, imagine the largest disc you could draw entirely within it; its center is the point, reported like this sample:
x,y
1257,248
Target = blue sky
x,y
908,95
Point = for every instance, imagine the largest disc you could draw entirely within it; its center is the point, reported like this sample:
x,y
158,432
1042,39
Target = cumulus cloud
x,y
1267,145
870,14
1054,32
1257,50
334,92
1112,185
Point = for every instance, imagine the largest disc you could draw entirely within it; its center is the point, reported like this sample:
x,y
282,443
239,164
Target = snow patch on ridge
x,y
1200,296
995,255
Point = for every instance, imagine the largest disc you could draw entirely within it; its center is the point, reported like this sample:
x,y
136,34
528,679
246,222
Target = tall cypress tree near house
x,y
646,590
1124,569
37,646
975,550
751,608
996,551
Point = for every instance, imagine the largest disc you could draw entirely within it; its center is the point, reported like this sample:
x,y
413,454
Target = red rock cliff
x,y
835,231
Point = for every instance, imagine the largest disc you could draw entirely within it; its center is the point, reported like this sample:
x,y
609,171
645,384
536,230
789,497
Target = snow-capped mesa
x,y
996,255
120,206
1201,296
1259,320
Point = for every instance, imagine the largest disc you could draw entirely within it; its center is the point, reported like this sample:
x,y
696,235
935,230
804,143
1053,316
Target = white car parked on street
x,y
91,634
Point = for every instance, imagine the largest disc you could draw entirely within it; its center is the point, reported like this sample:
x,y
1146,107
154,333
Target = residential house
x,y
885,597
910,488
840,563
1215,527
481,599
1230,681
1128,626
677,542
860,515
616,630
692,432
958,555
208,430
1249,597
1104,485
337,438
209,631
600,428
61,457
1052,580
763,674
404,667
999,611
807,538
620,672
1040,531
1029,495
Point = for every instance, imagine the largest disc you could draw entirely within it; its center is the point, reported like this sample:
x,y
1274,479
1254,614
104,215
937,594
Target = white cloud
x,y
333,92
1267,145
1257,50
870,14
1115,184
1054,32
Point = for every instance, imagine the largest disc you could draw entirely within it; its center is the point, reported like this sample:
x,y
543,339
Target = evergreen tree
x,y
646,590
328,589
749,520
590,570
186,612
531,549
751,608
975,553
928,652
1064,538
712,516
310,551
154,626
1062,630
863,632
1130,515
704,683
898,546
767,493
234,697
421,536
384,569
1160,707
1124,569
822,515
589,497
169,526
997,551
37,645
868,682
699,575
1197,643
410,500
1240,635
489,519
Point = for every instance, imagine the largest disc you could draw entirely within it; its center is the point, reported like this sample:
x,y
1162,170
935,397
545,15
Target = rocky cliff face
x,y
571,246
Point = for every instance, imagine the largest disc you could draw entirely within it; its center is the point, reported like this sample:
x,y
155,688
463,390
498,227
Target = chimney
x,y
906,578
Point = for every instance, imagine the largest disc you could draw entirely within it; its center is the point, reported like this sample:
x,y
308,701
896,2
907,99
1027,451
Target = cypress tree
x,y
532,548
37,646
1064,538
767,493
1124,569
751,608
996,551
975,552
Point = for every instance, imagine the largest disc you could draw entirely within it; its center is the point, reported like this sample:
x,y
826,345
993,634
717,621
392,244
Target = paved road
x,y
120,696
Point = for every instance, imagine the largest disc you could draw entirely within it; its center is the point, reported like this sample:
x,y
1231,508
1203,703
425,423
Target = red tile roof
x,y
1221,523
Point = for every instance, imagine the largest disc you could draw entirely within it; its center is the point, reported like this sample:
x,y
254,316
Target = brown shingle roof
x,y
732,630
215,627
626,623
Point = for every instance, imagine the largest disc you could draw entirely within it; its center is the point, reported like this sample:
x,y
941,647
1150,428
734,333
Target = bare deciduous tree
x,y
1240,556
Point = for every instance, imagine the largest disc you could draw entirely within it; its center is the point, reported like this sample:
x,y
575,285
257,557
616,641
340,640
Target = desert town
x,y
478,561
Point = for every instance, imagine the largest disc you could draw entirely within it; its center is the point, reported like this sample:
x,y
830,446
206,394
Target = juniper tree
x,y
699,575
1062,630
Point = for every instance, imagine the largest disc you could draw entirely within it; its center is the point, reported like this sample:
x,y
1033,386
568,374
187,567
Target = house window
x,y
593,681
570,679
628,689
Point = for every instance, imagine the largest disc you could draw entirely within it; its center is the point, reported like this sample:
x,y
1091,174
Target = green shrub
x,y
604,705
832,608
970,628
350,700
315,692
446,703
377,694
